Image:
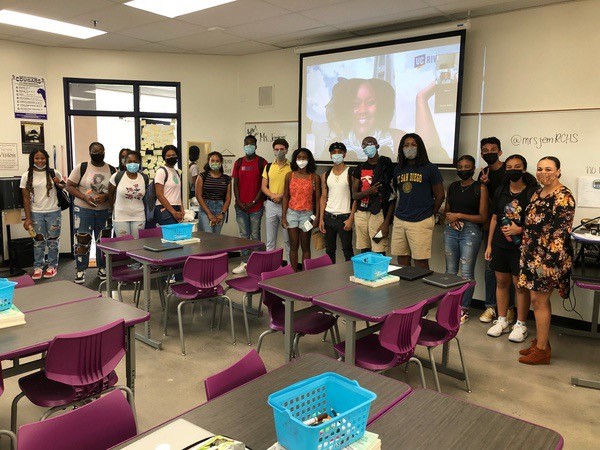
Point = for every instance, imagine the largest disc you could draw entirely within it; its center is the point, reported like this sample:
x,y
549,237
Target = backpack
x,y
83,168
350,171
64,201
120,174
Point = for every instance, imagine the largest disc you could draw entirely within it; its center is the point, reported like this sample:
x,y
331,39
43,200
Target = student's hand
x,y
348,224
315,223
511,230
100,198
178,215
90,201
27,224
485,175
248,205
322,226
241,205
212,218
56,179
385,229
488,253
452,217
427,92
284,223
374,189
220,218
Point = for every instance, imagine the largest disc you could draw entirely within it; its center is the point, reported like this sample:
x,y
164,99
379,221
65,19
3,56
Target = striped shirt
x,y
214,188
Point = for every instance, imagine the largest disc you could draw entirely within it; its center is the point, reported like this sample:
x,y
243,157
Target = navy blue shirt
x,y
414,187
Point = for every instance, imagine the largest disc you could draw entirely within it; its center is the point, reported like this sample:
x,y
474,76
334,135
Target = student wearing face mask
x,y
337,206
503,247
247,182
273,181
371,190
466,210
126,191
213,190
88,184
546,253
167,184
419,195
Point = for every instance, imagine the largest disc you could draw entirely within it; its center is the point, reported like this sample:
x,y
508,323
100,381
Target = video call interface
x,y
383,91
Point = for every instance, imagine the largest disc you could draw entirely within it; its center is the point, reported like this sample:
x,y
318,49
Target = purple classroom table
x,y
50,294
43,325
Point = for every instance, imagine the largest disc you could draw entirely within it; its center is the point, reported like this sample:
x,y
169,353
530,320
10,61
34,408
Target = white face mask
x,y
302,163
410,152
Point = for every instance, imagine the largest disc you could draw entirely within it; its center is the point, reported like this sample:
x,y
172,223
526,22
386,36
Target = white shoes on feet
x,y
518,333
240,269
499,328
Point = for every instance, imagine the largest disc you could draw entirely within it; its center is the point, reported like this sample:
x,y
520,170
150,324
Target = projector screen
x,y
384,90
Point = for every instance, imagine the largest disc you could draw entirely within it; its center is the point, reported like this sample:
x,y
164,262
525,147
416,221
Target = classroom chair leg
x,y
421,373
464,366
324,336
261,337
180,319
230,318
244,298
434,369
13,412
166,317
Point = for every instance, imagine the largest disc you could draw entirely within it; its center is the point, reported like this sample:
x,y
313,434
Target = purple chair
x,y
395,344
23,281
315,263
78,366
246,369
150,232
99,425
8,433
258,263
202,277
124,274
444,329
310,323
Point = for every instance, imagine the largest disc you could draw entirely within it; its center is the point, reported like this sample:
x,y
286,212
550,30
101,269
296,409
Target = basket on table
x,y
370,266
344,400
177,231
7,289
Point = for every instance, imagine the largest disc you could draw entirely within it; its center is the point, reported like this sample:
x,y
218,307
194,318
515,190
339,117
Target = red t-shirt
x,y
249,176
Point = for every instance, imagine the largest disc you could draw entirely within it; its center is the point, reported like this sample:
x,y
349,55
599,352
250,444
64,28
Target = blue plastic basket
x,y
370,266
177,231
326,393
7,289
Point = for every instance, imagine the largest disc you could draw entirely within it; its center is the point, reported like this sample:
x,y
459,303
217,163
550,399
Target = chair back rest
x,y
1,383
246,369
448,313
23,281
401,329
315,263
86,359
273,302
205,272
99,425
150,232
127,237
260,262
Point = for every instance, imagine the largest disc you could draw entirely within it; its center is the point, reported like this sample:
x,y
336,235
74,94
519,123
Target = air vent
x,y
265,96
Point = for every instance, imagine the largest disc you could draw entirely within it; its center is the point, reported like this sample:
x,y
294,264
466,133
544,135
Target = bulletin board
x,y
155,134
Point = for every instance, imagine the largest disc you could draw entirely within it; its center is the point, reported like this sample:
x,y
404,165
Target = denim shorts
x,y
296,219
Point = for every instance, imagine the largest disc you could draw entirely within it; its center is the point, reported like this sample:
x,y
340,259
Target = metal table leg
x,y
350,341
288,335
109,274
130,358
593,333
145,338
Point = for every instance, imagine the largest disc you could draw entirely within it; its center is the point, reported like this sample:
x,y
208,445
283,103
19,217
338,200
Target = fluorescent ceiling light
x,y
174,8
48,25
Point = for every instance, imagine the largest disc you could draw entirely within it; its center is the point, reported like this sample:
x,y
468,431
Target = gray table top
x,y
244,413
45,324
47,295
307,284
122,247
426,419
374,304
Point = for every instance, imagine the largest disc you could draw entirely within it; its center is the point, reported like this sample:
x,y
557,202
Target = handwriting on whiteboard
x,y
539,141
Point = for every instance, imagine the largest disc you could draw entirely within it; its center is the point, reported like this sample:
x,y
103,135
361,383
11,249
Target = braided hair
x,y
49,181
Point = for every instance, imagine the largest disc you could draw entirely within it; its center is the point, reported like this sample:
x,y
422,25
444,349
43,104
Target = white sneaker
x,y
500,327
488,315
240,269
518,333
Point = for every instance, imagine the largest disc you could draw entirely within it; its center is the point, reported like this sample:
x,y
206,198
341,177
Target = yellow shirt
x,y
276,176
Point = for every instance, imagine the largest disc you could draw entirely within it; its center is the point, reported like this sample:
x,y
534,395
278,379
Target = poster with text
x,y
29,97
32,136
9,158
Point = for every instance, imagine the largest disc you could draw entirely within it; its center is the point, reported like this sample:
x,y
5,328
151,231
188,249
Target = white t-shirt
x,y
40,201
94,182
193,172
172,186
339,198
129,198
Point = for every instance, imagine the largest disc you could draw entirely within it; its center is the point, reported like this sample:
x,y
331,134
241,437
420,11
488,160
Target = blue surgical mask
x,y
337,158
132,167
370,150
249,149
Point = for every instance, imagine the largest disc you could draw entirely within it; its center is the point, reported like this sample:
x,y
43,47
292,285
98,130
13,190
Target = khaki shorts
x,y
413,238
366,226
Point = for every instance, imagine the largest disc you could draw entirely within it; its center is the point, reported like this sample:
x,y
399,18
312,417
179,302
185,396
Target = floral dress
x,y
547,241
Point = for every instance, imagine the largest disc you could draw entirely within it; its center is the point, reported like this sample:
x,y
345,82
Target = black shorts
x,y
505,260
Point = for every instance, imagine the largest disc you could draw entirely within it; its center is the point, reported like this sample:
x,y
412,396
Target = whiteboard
x,y
267,132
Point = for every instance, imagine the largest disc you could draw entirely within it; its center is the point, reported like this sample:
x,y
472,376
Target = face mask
x,y
337,158
215,166
490,158
409,152
43,167
171,161
370,150
302,163
546,179
280,155
249,149
97,158
514,175
132,167
465,174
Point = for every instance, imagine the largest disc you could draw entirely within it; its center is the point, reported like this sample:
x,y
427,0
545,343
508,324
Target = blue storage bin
x,y
326,393
177,231
7,289
370,266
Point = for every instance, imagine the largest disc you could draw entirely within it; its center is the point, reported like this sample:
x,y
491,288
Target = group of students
x,y
524,221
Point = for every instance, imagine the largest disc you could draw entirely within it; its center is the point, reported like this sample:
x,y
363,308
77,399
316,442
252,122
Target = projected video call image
x,y
384,92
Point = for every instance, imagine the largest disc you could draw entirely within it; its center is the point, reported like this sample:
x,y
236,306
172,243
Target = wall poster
x,y
29,97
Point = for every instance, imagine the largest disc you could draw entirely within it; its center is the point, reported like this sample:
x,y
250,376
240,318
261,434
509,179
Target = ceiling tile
x,y
361,10
156,47
49,39
110,41
241,48
372,24
303,5
59,9
160,31
305,37
116,18
289,23
233,14
26,40
201,41
11,30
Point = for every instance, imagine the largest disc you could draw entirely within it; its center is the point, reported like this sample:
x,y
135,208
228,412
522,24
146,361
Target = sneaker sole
x,y
503,332
50,276
485,321
518,342
79,281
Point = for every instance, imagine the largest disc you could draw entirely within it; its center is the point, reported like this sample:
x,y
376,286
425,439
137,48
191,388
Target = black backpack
x,y
83,168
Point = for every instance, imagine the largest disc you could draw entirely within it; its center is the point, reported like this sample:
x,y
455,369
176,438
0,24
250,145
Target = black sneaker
x,y
102,274
80,277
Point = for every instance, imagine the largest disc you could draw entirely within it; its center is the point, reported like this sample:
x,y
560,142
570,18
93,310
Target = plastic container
x,y
7,289
370,266
344,400
177,231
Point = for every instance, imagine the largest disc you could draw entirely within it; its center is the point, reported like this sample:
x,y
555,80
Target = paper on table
x,y
173,436
391,267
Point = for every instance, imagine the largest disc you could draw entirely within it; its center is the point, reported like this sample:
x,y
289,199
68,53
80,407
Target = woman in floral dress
x,y
546,253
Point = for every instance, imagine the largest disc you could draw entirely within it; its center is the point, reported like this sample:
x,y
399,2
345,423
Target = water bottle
x,y
516,239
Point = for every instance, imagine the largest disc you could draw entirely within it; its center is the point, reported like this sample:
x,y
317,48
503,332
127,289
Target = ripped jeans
x,y
461,249
87,222
47,229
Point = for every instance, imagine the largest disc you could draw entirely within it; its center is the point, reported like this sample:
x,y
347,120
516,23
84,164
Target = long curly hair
x,y
49,182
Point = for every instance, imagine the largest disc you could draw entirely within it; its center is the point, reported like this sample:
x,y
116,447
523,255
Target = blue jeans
x,y
461,249
249,225
87,222
215,207
164,217
47,229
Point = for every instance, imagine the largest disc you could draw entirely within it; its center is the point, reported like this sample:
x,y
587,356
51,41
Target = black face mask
x,y
171,161
97,158
465,174
490,158
514,175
